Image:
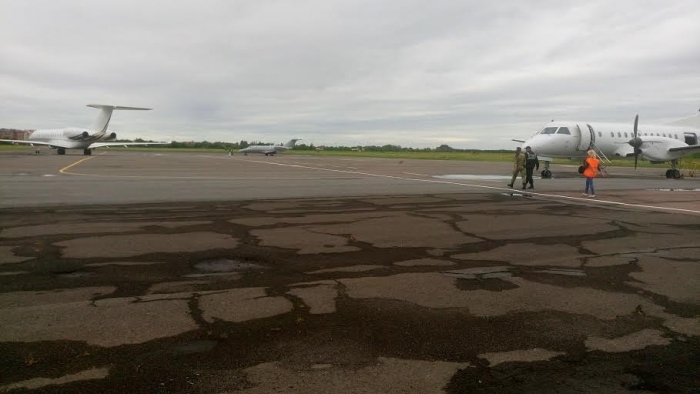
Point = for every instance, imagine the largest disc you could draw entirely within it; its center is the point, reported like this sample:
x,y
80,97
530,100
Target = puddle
x,y
676,190
563,272
11,273
195,347
500,271
226,265
75,274
470,177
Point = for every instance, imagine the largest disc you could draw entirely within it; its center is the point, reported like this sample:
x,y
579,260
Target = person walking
x,y
531,163
518,167
591,166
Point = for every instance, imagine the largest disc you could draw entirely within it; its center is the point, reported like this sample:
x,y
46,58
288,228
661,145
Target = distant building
x,y
13,134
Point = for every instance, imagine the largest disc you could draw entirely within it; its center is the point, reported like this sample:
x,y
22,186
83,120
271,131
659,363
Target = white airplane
x,y
656,143
269,150
85,139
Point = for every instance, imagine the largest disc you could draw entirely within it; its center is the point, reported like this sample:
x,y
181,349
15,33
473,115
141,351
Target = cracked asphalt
x,y
440,289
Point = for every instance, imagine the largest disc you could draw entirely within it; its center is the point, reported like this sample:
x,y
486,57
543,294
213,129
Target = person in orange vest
x,y
591,166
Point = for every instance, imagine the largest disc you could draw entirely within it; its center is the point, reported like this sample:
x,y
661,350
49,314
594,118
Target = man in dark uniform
x,y
531,163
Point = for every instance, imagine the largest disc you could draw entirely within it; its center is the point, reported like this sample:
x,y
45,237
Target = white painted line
x,y
413,173
556,196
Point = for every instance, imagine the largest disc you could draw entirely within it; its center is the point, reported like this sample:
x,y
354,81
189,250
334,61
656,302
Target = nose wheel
x,y
546,173
673,174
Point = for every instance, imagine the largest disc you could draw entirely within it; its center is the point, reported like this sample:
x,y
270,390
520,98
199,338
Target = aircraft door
x,y
584,142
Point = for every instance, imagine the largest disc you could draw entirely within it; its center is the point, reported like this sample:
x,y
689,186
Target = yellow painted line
x,y
63,170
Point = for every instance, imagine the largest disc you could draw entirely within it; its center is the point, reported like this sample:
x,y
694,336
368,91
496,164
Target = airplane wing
x,y
124,144
624,151
28,142
688,148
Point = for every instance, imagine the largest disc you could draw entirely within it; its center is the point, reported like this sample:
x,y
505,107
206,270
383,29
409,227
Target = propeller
x,y
636,142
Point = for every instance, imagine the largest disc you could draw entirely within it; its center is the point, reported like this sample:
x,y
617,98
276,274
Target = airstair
x,y
599,152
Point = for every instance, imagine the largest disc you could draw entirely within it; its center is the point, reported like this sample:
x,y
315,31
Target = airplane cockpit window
x,y
549,130
563,130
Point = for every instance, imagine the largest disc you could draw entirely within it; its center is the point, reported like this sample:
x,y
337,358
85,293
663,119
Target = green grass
x,y
691,162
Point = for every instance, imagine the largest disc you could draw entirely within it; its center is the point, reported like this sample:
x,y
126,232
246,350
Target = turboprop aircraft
x,y
81,138
656,143
269,150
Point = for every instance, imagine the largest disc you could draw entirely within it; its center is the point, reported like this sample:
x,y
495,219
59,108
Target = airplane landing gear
x,y
546,173
673,172
87,152
61,151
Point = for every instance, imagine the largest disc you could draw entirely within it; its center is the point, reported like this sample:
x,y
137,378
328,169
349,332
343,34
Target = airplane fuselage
x,y
572,139
269,150
68,138
85,139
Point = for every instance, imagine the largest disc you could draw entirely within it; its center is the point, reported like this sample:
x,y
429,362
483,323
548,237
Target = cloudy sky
x,y
347,72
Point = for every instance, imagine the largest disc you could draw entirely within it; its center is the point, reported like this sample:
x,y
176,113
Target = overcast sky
x,y
356,72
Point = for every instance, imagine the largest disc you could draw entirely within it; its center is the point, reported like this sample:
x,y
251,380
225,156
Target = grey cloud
x,y
347,72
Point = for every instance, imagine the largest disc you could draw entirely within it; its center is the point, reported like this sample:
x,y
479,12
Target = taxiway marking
x,y
556,196
63,170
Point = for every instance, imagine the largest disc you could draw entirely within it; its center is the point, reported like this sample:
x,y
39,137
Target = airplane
x,y
85,139
269,150
656,143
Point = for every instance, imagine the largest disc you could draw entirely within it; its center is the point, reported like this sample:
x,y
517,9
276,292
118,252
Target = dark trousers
x,y
528,175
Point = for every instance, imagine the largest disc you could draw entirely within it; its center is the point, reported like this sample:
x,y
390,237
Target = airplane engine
x,y
110,136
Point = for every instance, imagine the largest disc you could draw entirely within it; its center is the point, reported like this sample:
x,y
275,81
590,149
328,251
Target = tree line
x,y
310,147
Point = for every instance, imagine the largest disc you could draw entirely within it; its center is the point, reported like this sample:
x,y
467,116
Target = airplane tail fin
x,y
102,121
291,143
692,121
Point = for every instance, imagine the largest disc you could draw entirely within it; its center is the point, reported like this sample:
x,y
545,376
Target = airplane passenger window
x,y
664,134
612,134
549,130
619,134
625,135
676,136
563,130
600,134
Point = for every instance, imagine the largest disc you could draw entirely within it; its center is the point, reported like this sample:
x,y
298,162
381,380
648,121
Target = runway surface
x,y
125,177
203,273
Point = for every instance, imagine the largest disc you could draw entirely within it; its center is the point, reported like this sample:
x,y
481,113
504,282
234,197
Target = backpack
x,y
582,168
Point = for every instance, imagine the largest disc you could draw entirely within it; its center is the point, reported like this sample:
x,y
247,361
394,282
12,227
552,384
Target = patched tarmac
x,y
444,288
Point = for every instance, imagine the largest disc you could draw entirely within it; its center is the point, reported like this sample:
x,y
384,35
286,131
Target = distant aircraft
x,y
85,139
269,150
656,143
